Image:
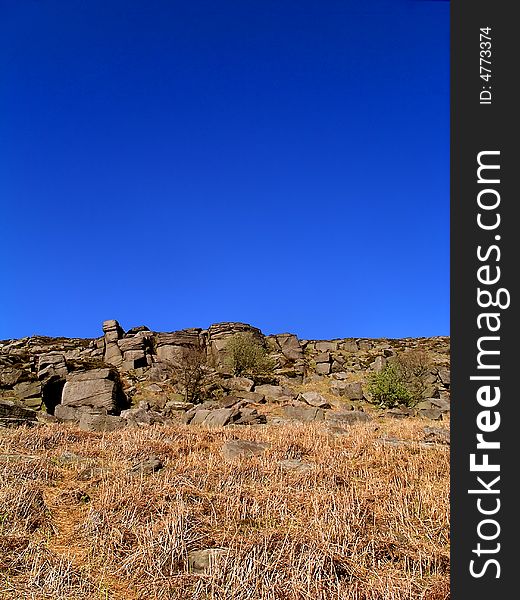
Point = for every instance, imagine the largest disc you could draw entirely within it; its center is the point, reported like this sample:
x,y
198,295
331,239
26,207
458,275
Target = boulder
x,y
250,416
100,421
147,466
315,399
237,449
379,364
273,392
220,417
290,346
326,346
253,397
12,414
52,365
304,413
112,331
67,414
97,388
352,390
240,384
295,465
113,355
444,376
204,561
142,415
323,368
349,346
348,417
28,389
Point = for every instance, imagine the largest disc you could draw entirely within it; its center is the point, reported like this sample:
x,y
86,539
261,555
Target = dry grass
x,y
368,522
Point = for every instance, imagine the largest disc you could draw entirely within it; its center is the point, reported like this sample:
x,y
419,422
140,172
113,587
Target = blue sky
x,y
175,164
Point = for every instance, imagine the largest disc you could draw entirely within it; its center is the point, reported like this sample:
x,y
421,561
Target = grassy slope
x,y
369,521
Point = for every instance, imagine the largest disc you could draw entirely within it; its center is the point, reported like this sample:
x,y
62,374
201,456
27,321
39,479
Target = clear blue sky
x,y
178,163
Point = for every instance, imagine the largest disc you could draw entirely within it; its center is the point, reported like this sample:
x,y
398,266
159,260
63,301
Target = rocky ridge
x,y
130,377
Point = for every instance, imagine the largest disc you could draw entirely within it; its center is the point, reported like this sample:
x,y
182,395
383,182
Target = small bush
x,y
404,380
192,374
388,389
247,356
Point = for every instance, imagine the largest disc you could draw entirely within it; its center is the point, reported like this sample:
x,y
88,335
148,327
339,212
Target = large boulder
x,y
290,346
97,388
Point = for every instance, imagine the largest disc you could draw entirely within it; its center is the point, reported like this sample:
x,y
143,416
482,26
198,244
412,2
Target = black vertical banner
x,y
485,267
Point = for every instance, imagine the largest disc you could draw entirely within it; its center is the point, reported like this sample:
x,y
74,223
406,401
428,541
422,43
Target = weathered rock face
x,y
97,388
218,337
172,347
71,376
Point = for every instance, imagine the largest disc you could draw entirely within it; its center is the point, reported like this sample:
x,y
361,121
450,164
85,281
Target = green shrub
x,y
387,387
247,356
404,380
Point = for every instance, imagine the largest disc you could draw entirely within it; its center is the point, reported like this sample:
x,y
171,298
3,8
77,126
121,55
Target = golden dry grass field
x,y
365,516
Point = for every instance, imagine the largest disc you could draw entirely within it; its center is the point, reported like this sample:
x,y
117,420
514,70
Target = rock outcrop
x,y
140,377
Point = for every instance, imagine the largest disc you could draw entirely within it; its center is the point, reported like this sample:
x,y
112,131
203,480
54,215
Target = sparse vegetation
x,y
404,380
247,356
369,521
192,374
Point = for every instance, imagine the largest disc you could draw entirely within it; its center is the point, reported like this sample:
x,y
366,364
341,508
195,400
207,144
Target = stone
x,y
219,336
250,416
348,417
12,414
237,449
315,399
97,388
67,414
398,413
444,376
437,435
112,330
132,344
28,389
141,416
52,365
434,414
323,368
325,346
242,384
177,406
147,466
304,413
296,465
100,421
198,417
204,561
322,357
229,401
349,346
441,403
220,417
272,392
352,390
253,397
379,364
365,344
290,346
113,355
